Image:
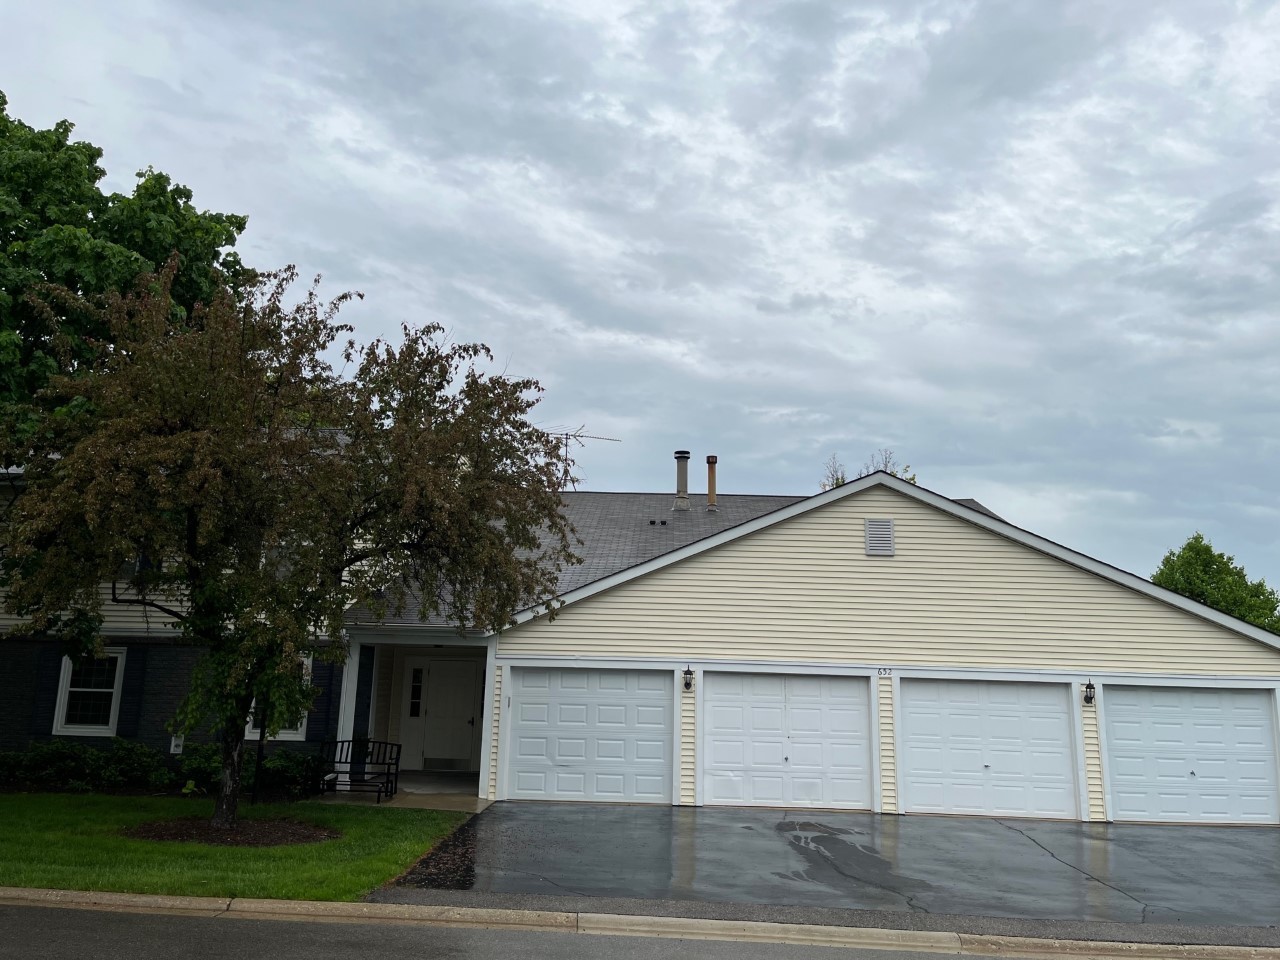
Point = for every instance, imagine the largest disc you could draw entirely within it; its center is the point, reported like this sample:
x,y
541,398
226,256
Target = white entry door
x,y
577,734
989,748
440,714
1185,755
782,740
451,716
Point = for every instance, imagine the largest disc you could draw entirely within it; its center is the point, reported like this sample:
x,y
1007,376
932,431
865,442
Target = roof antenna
x,y
572,437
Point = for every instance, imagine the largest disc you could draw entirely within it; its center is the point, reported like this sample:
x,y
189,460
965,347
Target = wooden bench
x,y
366,765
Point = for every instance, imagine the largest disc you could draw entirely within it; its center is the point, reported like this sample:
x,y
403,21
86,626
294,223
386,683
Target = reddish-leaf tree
x,y
266,492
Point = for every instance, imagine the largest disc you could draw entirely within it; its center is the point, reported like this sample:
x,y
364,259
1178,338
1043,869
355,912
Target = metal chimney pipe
x,y
712,460
682,481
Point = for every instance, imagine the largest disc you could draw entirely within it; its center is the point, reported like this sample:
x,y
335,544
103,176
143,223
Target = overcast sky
x,y
1031,247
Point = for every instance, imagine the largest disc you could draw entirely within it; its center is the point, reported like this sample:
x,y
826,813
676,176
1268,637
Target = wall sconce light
x,y
1089,692
688,678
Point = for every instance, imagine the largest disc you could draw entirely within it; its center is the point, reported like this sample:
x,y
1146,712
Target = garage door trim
x,y
1076,721
1179,682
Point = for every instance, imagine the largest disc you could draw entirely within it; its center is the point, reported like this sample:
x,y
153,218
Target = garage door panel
x,y
802,740
526,780
802,720
1180,754
574,680
591,735
987,747
766,753
531,747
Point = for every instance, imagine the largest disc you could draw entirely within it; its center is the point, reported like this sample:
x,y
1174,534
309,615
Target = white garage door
x,y
590,735
988,748
1191,755
794,741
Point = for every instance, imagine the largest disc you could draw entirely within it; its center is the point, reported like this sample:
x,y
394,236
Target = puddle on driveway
x,y
826,848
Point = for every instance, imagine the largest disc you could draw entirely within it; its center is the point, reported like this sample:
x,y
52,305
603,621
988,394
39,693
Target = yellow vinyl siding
x,y
492,788
688,745
119,619
1093,762
955,594
888,749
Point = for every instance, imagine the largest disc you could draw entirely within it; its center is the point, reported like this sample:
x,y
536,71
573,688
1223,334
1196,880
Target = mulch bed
x,y
450,866
245,833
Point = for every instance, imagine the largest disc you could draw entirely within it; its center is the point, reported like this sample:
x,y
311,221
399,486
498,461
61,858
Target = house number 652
x,y
884,672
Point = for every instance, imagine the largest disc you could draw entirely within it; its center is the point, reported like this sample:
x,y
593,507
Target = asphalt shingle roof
x,y
621,530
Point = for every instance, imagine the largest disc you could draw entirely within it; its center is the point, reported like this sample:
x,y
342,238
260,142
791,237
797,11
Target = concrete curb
x,y
602,924
403,913
133,902
805,934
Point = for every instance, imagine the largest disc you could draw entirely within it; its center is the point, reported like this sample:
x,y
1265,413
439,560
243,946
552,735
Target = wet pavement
x,y
1030,869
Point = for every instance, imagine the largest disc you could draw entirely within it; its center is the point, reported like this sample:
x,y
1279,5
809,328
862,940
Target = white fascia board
x,y
945,504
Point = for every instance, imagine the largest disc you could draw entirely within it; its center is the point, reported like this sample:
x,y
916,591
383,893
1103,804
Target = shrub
x,y
61,765
201,764
294,774
129,764
66,766
11,769
287,773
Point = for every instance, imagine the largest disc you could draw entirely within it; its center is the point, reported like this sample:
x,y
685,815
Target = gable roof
x,y
976,514
620,531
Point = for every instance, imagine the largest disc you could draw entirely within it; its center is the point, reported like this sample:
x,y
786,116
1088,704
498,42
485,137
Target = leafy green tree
x,y
266,493
58,227
1200,573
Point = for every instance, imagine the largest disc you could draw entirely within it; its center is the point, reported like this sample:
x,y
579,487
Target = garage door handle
x,y
472,722
986,766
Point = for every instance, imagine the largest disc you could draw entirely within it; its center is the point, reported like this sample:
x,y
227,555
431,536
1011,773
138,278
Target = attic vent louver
x,y
879,534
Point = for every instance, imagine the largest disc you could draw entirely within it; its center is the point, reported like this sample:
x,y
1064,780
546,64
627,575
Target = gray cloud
x,y
1031,247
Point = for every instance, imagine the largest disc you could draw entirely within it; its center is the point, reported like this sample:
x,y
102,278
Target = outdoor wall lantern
x,y
1089,692
688,678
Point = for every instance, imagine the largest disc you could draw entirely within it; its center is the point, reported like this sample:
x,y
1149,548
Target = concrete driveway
x,y
1033,869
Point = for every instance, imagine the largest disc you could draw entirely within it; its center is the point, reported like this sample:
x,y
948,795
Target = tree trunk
x,y
228,801
265,708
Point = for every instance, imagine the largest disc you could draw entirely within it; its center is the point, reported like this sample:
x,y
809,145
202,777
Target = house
x,y
877,646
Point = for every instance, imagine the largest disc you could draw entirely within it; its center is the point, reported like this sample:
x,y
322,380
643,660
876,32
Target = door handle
x,y
471,722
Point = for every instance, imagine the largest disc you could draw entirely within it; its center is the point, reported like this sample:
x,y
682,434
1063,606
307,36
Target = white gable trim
x,y
946,505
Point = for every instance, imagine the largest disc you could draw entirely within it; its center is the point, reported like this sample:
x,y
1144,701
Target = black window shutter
x,y
322,675
45,701
135,673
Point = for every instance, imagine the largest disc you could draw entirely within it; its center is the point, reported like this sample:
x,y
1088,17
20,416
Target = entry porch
x,y
433,698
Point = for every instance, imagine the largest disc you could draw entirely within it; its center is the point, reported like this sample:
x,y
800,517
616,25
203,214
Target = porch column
x,y
347,702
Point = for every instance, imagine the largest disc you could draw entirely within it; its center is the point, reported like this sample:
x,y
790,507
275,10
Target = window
x,y
89,695
254,729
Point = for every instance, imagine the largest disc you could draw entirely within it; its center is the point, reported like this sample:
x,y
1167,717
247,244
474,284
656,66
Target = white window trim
x,y
287,735
64,684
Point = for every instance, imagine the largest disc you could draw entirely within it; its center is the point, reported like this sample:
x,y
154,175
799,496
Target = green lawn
x,y
74,843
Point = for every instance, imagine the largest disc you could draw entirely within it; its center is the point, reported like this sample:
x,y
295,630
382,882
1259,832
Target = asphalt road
x,y
46,933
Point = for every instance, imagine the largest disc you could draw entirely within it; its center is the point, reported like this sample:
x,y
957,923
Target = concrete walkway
x,y
897,871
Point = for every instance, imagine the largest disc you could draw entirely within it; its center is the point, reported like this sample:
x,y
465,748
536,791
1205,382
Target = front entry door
x,y
440,715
